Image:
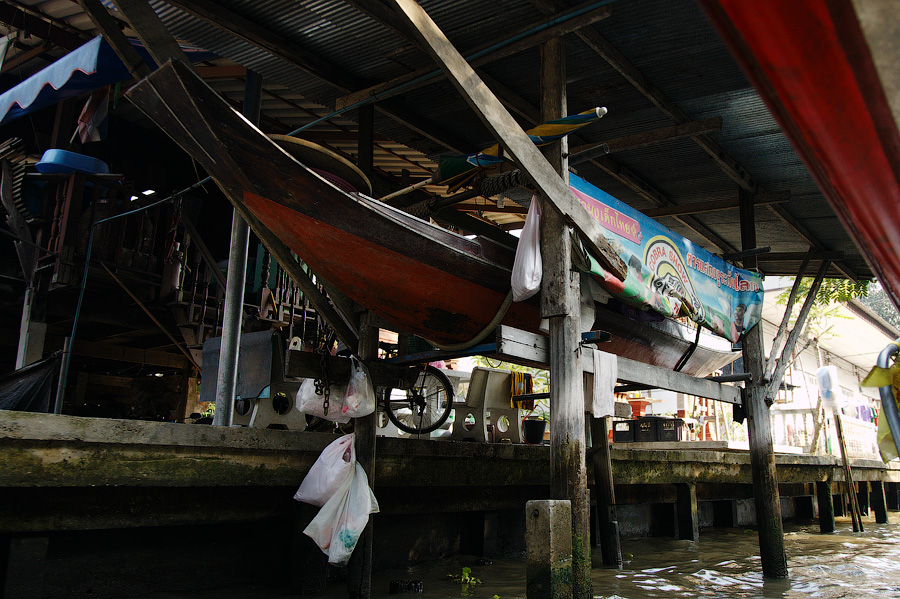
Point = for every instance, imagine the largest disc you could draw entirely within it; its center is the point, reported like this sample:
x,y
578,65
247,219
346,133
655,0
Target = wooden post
x,y
855,514
879,502
826,506
359,578
604,492
688,512
892,492
759,426
560,303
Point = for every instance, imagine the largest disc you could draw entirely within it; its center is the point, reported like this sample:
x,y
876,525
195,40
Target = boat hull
x,y
423,279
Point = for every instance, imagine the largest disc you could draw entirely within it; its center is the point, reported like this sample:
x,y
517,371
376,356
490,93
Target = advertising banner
x,y
668,273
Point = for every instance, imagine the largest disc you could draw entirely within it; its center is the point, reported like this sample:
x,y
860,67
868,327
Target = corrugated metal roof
x,y
670,43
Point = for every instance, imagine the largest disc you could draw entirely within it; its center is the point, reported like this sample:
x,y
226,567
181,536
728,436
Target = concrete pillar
x,y
825,502
879,502
687,512
548,549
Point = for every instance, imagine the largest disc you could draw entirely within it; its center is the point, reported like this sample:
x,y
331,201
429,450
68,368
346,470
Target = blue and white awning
x,y
84,69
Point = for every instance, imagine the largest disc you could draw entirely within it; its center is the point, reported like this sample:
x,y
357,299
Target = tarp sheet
x,y
32,388
667,273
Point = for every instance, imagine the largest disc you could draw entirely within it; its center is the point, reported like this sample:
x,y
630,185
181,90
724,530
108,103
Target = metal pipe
x,y
229,352
888,403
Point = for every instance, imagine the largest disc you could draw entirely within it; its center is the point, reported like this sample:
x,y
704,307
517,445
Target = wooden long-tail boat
x,y
422,278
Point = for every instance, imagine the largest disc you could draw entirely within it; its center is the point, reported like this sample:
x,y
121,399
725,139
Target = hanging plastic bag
x,y
338,525
527,268
331,469
360,398
308,402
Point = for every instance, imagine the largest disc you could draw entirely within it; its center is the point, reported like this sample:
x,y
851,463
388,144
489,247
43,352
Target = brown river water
x,y
723,564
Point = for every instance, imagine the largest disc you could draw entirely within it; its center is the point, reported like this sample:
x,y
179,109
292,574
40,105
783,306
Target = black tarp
x,y
32,388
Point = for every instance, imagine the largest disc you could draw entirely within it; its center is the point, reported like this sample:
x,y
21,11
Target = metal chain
x,y
323,385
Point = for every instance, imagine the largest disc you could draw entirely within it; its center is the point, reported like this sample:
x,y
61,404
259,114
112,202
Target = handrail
x,y
888,404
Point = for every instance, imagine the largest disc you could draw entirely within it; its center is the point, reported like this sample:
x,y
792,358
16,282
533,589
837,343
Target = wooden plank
x,y
512,137
643,139
522,347
109,27
161,44
566,22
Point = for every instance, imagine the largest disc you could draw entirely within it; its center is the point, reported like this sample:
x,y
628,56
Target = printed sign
x,y
668,273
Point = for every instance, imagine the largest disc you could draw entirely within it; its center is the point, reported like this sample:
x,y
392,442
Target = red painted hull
x,y
811,63
423,279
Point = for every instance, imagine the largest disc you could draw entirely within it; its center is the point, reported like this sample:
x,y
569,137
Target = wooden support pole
x,y
560,303
759,427
359,578
879,502
855,514
892,493
688,512
511,136
604,492
826,506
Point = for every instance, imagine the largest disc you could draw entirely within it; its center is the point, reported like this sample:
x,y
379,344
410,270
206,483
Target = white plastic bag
x,y
331,469
827,378
314,405
339,524
360,398
527,268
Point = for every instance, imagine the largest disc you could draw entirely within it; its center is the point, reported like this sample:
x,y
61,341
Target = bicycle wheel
x,y
423,408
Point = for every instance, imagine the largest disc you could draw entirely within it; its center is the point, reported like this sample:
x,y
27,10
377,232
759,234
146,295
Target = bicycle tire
x,y
431,398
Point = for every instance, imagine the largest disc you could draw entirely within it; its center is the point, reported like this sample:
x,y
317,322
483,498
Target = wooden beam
x,y
33,22
131,355
813,255
521,347
714,205
161,44
646,138
511,136
479,55
24,57
493,209
109,27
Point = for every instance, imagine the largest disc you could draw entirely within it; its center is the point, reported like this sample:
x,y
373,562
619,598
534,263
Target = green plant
x,y
466,577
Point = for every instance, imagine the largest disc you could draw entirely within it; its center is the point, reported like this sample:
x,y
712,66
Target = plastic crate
x,y
669,429
623,431
645,430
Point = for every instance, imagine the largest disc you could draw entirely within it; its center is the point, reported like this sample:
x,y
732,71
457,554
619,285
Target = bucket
x,y
533,431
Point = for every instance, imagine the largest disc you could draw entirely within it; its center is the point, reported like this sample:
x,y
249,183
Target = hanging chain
x,y
323,385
